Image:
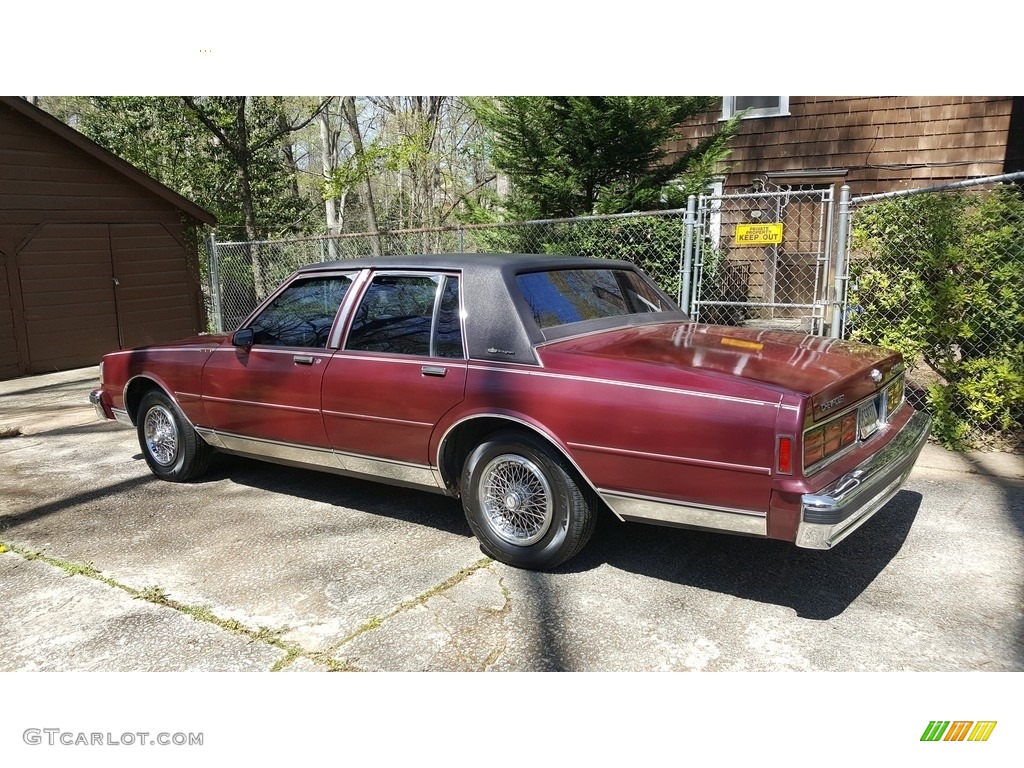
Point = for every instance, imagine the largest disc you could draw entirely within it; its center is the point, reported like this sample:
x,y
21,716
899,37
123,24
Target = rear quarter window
x,y
563,296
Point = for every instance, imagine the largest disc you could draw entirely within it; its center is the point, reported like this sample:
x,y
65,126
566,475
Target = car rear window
x,y
563,296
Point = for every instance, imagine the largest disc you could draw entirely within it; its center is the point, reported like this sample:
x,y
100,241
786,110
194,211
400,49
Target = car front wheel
x,y
172,448
523,502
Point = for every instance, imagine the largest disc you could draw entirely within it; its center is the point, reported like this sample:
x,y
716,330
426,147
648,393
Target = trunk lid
x,y
834,374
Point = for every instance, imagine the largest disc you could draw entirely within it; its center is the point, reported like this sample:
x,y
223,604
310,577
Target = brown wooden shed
x,y
94,254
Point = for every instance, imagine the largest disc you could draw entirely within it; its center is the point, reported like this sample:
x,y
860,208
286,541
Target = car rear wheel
x,y
523,502
172,448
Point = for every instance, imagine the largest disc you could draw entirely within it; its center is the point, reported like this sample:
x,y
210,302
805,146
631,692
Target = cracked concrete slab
x,y
464,628
56,622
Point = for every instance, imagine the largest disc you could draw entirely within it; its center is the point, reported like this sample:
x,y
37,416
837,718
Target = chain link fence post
x,y
687,266
841,278
215,288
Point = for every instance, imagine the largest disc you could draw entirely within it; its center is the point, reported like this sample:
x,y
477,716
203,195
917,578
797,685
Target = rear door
x,y
402,367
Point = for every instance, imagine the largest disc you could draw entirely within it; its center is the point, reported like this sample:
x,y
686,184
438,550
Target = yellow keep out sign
x,y
759,234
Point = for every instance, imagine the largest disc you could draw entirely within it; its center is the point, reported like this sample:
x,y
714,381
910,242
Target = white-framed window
x,y
755,106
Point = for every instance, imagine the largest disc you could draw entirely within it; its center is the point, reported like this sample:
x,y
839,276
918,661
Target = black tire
x,y
172,448
524,503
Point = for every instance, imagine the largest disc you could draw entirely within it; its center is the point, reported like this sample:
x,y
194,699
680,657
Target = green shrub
x,y
939,277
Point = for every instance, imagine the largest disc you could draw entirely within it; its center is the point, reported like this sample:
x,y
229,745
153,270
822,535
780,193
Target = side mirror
x,y
243,338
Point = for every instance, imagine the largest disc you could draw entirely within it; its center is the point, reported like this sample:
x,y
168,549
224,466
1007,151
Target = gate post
x,y
215,297
841,279
687,267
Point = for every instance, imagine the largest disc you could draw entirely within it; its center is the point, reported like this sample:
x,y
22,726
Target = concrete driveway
x,y
259,567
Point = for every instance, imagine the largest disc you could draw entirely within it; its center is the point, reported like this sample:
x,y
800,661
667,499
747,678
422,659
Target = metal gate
x,y
762,258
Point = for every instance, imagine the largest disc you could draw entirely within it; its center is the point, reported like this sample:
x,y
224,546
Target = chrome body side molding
x,y
645,509
122,417
326,460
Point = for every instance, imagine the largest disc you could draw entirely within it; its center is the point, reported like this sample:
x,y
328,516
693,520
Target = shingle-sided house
x,y
873,143
94,254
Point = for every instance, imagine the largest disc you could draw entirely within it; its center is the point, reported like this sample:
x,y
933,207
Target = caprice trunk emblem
x,y
876,376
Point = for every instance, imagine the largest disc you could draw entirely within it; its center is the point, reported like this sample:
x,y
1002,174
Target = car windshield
x,y
563,296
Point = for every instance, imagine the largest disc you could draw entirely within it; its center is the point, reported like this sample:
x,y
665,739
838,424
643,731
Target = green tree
x,y
250,133
578,155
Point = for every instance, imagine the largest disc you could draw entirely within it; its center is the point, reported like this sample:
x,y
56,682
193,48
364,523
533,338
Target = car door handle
x,y
434,370
303,359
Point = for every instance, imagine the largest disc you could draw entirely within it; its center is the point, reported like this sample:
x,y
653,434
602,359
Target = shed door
x,y
153,296
67,287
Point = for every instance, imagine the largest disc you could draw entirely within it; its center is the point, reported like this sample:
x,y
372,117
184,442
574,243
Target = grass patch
x,y
376,621
159,596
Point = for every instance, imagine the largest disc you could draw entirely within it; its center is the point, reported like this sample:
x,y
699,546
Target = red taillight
x,y
850,428
786,455
829,438
814,446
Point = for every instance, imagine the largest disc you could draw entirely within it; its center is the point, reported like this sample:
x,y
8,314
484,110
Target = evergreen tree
x,y
577,155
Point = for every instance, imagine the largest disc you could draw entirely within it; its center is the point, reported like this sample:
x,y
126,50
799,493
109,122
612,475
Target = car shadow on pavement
x,y
413,506
816,584
60,505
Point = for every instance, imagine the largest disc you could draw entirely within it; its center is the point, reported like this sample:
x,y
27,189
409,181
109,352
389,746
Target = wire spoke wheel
x,y
516,498
161,435
523,501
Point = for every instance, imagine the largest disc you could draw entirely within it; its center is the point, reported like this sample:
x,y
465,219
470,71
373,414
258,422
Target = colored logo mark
x,y
958,730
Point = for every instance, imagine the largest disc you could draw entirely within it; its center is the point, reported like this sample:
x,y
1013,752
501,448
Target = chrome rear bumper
x,y
828,517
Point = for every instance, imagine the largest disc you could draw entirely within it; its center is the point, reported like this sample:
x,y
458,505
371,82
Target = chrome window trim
x,y
339,337
347,309
435,314
300,275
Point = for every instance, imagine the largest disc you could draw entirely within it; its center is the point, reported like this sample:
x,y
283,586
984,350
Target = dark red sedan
x,y
539,390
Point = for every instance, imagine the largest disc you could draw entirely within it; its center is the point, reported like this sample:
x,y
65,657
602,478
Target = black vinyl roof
x,y
516,262
499,323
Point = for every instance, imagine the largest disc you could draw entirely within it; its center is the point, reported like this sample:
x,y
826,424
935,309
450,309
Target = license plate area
x,y
867,420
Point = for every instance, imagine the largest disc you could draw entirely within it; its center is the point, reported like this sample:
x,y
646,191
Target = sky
x,y
123,47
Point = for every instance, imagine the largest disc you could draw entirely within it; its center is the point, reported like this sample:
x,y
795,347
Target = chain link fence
x,y
762,258
241,275
938,274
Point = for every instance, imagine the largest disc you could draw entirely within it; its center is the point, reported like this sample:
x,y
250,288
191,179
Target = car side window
x,y
409,315
448,332
302,315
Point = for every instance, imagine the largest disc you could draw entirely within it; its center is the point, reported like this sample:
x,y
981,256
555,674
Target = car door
x,y
402,368
270,390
